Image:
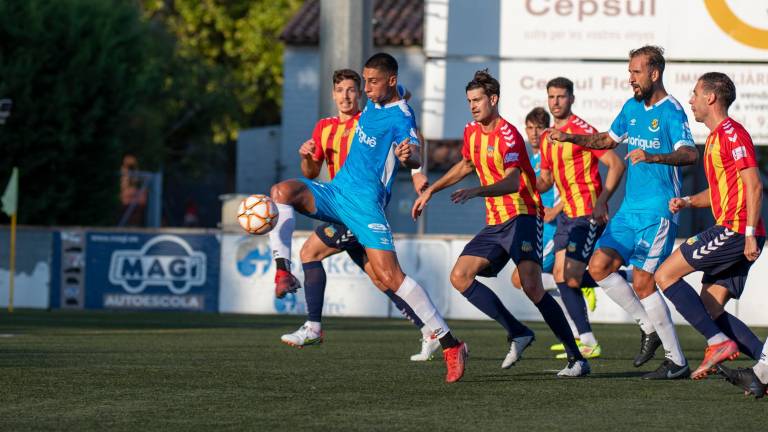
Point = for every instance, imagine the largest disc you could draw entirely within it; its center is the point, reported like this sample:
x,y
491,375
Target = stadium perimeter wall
x,y
215,271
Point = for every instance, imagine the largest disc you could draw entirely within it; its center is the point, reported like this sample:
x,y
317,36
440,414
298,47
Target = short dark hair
x,y
561,82
538,116
382,62
485,81
347,74
655,55
721,85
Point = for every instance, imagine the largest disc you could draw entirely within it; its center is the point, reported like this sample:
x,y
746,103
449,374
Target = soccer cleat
x,y
428,347
668,370
285,283
714,355
455,361
575,368
590,297
649,343
302,337
516,348
561,347
588,351
744,378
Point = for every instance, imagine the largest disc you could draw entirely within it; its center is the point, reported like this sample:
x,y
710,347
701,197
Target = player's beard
x,y
644,95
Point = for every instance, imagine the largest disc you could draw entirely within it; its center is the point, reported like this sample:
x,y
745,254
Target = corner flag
x,y
11,195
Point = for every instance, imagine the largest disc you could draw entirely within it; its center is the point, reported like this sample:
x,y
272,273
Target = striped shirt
x,y
574,169
728,150
493,153
333,140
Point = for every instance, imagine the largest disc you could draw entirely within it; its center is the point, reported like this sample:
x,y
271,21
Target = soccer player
x,y
642,233
573,169
752,380
331,141
360,191
726,251
495,150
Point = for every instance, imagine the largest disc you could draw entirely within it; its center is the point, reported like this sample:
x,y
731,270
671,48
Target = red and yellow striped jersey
x,y
493,153
728,150
574,169
333,141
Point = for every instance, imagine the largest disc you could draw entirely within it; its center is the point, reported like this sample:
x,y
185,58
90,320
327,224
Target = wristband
x,y
749,231
687,200
415,171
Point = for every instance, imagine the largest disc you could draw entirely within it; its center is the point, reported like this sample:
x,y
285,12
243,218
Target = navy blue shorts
x,y
577,236
518,239
719,253
338,236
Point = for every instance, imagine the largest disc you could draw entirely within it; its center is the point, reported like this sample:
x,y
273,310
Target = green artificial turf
x,y
169,371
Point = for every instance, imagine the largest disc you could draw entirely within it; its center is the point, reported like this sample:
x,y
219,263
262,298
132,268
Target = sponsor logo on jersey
x,y
739,152
377,227
644,144
365,139
513,157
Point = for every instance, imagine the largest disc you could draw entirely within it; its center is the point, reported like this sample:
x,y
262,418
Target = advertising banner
x,y
152,272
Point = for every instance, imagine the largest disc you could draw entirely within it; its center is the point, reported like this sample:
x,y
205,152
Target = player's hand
x,y
307,150
461,196
638,155
600,213
403,150
550,214
555,134
751,251
420,182
676,204
420,203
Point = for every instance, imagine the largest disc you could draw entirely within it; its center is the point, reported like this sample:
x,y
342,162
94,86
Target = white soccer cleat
x,y
302,337
428,347
516,348
575,368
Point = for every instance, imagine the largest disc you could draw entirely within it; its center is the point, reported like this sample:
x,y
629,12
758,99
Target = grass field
x,y
159,371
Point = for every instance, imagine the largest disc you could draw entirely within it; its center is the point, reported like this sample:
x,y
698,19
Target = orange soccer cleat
x,y
455,361
714,355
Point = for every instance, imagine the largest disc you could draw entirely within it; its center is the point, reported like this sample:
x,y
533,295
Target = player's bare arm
x,y
700,200
419,177
550,213
310,168
753,188
615,170
685,155
545,180
508,185
454,175
599,141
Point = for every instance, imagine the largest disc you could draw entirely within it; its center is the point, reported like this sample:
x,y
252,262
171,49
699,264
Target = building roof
x,y
395,23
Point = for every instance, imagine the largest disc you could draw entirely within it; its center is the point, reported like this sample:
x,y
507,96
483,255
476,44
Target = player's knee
x,y
663,279
599,269
573,280
516,279
308,254
389,279
281,193
461,279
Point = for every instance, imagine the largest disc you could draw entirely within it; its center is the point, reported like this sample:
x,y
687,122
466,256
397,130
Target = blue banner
x,y
152,272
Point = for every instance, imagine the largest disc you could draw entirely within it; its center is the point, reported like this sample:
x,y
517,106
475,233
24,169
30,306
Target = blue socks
x,y
556,321
406,310
741,334
689,304
576,305
489,303
314,289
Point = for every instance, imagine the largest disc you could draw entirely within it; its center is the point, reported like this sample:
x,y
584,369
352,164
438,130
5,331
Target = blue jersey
x,y
548,198
371,165
658,129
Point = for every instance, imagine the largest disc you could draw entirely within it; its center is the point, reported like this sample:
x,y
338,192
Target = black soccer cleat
x,y
668,370
744,378
649,343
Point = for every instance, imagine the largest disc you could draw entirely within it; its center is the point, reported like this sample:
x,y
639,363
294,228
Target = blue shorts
x,y
338,236
643,240
577,236
719,253
548,261
364,217
518,239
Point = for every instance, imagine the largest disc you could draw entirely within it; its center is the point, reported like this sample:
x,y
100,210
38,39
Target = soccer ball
x,y
257,214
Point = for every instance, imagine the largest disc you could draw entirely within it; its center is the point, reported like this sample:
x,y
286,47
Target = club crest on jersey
x,y
526,247
654,127
571,247
692,240
490,150
329,231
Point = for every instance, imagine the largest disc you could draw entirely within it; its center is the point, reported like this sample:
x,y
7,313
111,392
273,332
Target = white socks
x,y
588,339
716,339
426,333
314,326
422,306
281,235
658,312
761,367
623,295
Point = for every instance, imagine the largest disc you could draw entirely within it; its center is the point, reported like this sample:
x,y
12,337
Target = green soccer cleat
x,y
590,297
561,347
587,351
